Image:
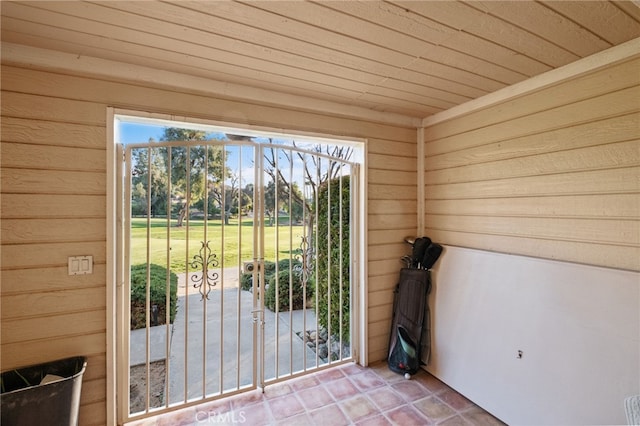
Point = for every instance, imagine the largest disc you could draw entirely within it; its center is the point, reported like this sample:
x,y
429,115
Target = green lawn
x,y
159,234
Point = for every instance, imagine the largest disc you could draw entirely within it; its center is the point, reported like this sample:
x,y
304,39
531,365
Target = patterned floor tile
x,y
217,406
277,390
457,420
329,375
410,390
434,408
367,380
477,416
254,414
285,406
385,398
350,369
315,397
455,400
344,395
247,398
379,420
305,382
431,383
407,415
358,408
329,415
382,370
184,417
144,422
302,419
341,389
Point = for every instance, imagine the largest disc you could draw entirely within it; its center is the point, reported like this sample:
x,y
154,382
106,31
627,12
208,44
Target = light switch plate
x,y
80,265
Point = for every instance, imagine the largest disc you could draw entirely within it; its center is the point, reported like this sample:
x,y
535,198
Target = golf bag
x,y
410,329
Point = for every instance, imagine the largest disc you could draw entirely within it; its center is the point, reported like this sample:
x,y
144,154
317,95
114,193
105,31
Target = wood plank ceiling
x,y
414,58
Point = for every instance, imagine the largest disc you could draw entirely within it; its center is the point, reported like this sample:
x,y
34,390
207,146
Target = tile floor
x,y
344,395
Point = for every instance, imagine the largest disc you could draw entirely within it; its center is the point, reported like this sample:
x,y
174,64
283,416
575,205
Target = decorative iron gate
x,y
239,262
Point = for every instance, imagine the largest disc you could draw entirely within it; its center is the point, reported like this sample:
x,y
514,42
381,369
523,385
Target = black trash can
x,y
42,394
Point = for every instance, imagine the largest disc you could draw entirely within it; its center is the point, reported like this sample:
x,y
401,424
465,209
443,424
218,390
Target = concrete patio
x,y
211,345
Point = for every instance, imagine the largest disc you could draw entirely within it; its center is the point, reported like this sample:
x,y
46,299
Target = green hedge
x,y
158,292
328,257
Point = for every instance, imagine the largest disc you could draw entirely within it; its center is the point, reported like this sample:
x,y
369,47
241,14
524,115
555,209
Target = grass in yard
x,y
232,244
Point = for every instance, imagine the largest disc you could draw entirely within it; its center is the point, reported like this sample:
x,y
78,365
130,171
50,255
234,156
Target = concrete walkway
x,y
138,344
211,345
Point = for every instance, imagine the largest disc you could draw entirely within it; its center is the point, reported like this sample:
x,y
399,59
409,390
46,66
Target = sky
x,y
136,133
130,133
141,130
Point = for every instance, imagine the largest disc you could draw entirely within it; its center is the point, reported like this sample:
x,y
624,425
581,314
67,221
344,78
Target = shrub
x,y
282,285
284,276
246,281
330,264
158,291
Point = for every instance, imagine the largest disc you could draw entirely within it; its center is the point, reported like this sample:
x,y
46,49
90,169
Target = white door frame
x,y
114,244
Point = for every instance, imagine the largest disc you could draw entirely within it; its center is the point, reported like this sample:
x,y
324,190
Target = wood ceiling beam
x,y
619,53
36,58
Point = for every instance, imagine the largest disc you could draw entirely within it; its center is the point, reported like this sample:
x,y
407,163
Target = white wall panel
x,y
577,326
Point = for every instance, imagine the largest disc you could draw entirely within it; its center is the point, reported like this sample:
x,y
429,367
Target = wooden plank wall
x,y
553,174
54,206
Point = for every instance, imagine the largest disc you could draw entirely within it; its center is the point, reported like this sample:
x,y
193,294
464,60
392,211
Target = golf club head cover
x,y
419,250
431,255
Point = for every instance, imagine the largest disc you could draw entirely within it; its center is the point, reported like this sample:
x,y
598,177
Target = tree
x,y
231,196
145,171
247,198
317,170
188,165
